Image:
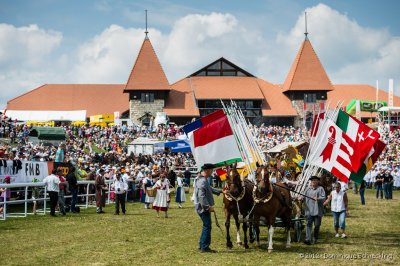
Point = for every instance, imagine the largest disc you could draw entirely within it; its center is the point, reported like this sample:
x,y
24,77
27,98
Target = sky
x,y
97,42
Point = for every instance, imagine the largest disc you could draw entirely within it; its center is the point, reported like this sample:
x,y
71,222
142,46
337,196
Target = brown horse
x,y
238,202
272,201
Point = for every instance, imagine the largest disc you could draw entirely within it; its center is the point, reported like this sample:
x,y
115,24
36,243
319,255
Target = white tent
x,y
389,109
283,146
78,115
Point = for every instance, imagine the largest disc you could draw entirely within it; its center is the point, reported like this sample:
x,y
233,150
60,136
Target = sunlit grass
x,y
140,238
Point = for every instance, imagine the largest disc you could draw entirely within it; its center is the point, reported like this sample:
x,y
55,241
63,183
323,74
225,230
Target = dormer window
x,y
147,97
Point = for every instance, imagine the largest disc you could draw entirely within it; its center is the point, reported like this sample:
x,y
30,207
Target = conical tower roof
x,y
147,72
307,72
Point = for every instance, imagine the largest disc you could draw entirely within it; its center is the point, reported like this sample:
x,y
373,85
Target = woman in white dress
x,y
147,182
162,197
180,191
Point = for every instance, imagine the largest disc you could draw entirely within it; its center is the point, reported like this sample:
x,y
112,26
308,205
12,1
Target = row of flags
x,y
224,137
340,143
344,146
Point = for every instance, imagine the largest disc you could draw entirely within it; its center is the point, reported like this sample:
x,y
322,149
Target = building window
x,y
310,97
147,97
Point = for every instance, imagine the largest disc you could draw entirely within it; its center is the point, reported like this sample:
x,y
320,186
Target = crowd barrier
x,y
26,188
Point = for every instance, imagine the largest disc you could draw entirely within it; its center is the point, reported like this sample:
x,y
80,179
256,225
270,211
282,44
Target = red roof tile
x,y
181,101
348,92
147,72
307,72
275,103
94,98
226,88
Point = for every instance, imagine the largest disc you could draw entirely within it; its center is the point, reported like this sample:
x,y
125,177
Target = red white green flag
x,y
363,136
214,142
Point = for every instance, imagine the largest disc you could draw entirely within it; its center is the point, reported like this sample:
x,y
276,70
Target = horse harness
x,y
230,197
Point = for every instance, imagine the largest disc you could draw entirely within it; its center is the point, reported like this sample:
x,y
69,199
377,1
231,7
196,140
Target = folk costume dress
x,y
180,191
148,183
162,197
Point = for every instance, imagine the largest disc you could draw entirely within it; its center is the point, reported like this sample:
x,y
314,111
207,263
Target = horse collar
x,y
229,196
265,199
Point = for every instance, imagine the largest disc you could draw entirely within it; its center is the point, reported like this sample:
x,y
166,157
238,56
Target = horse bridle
x,y
267,197
230,197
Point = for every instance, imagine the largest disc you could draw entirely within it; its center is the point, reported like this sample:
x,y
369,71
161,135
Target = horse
x,y
272,201
238,201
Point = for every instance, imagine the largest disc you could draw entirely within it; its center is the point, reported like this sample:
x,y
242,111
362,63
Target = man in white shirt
x,y
52,183
120,188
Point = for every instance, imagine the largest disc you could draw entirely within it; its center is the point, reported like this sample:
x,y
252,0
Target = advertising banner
x,y
24,171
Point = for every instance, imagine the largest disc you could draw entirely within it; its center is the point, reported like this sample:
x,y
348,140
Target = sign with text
x,y
23,171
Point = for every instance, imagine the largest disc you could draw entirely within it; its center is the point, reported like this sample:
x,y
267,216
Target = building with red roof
x,y
305,90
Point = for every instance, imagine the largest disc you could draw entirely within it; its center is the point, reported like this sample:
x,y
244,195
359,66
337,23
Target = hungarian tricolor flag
x,y
333,151
363,136
213,140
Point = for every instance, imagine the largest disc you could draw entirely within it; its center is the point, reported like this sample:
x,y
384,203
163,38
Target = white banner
x,y
23,171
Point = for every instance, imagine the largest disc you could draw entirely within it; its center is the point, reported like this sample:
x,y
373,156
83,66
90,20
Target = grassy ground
x,y
141,238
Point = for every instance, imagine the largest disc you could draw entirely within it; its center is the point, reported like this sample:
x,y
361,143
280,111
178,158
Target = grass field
x,y
140,238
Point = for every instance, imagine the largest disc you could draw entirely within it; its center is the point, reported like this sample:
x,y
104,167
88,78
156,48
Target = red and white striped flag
x,y
334,151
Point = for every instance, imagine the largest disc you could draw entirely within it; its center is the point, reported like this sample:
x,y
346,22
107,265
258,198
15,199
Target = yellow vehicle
x,y
40,124
78,123
107,118
98,124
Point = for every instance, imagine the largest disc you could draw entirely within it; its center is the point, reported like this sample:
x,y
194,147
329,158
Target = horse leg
x,y
257,229
288,239
238,240
227,225
270,236
288,227
251,232
246,246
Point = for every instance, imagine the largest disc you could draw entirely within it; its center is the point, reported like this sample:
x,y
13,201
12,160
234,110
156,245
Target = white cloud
x,y
109,56
29,45
196,40
25,59
349,52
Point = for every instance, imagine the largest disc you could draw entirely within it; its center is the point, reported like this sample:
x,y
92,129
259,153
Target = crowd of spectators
x,y
90,148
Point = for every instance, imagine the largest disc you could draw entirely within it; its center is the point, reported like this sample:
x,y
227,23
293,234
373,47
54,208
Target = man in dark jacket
x,y
187,175
73,187
204,205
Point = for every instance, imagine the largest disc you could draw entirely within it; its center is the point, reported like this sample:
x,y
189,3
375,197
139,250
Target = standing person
x,y
73,187
5,193
61,192
187,175
314,209
101,189
363,185
120,188
378,184
35,195
162,196
171,175
180,191
388,184
339,209
147,182
52,183
60,154
204,205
